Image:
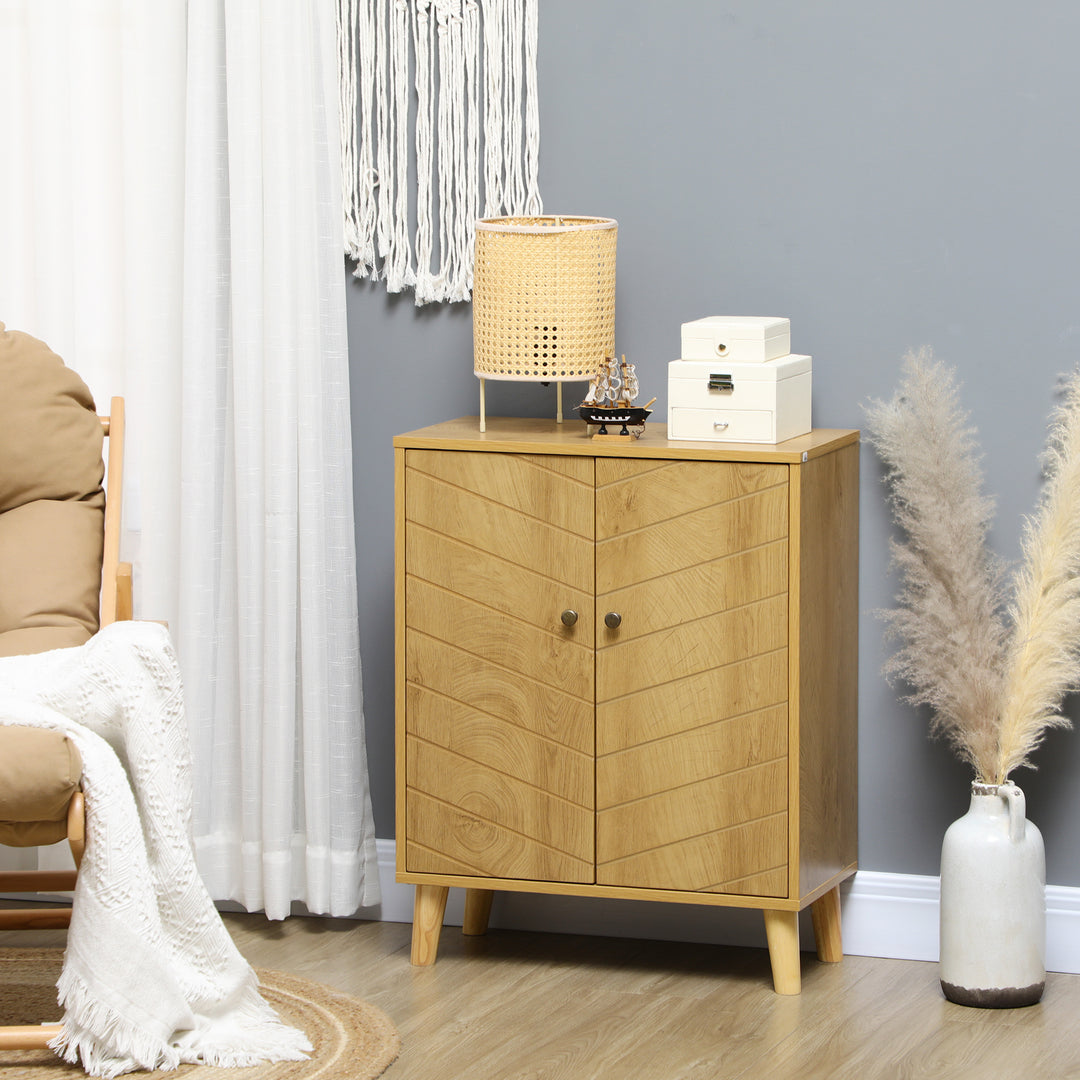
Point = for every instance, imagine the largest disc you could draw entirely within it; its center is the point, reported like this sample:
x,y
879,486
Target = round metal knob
x,y
569,617
612,620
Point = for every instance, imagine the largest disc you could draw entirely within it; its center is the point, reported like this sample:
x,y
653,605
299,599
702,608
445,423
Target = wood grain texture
x,y
537,652
499,530
486,794
718,528
498,691
632,495
729,523
825,914
670,708
440,831
522,435
506,587
429,905
514,1005
782,932
477,911
691,810
555,491
699,754
689,649
501,746
719,861
400,665
827,687
698,591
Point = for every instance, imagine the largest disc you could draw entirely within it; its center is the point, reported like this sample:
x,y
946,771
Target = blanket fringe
x,y
105,1043
108,1045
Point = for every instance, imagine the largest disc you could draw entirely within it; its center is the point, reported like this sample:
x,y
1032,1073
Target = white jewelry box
x,y
717,401
740,339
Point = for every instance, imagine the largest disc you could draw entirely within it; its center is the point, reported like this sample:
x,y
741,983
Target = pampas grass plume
x,y
995,686
947,619
1043,662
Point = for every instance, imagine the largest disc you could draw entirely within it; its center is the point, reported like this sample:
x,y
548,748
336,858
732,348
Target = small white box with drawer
x,y
723,402
739,339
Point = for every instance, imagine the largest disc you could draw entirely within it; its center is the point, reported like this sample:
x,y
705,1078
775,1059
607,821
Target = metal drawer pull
x,y
721,381
612,620
569,617
721,425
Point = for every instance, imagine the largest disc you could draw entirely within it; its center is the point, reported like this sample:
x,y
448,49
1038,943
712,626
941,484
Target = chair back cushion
x,y
52,504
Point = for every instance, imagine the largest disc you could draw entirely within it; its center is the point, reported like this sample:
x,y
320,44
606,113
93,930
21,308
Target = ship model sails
x,y
611,398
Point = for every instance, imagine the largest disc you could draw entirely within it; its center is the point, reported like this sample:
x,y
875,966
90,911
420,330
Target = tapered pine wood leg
x,y
825,912
477,911
782,931
429,907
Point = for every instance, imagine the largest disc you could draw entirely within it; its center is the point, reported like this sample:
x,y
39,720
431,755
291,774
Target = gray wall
x,y
886,175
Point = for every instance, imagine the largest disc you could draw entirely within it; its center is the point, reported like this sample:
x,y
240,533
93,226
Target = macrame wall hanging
x,y
465,72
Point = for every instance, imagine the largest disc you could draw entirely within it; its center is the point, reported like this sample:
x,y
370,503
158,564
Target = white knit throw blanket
x,y
151,977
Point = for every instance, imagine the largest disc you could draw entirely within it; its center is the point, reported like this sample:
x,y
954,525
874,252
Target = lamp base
x,y
483,404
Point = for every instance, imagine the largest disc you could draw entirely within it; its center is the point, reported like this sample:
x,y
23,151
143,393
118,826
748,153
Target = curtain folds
x,y
211,292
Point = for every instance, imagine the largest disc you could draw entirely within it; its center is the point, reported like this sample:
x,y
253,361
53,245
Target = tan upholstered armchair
x,y
60,580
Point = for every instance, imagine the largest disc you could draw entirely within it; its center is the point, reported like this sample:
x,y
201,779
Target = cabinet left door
x,y
499,688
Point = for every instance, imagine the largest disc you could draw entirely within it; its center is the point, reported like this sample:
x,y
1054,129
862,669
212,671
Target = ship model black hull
x,y
623,417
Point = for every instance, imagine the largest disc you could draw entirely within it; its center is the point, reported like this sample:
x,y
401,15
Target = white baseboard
x,y
891,915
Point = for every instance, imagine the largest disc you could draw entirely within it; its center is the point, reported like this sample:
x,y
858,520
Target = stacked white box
x,y
738,382
738,339
723,402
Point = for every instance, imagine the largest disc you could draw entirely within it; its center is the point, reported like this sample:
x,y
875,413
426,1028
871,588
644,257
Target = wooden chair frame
x,y
116,604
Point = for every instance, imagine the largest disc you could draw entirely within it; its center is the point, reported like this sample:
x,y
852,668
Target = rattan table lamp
x,y
543,300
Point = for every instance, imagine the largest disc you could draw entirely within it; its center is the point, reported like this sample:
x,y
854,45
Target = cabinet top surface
x,y
506,434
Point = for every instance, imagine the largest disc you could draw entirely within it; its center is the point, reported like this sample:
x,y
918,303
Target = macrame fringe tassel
x,y
446,37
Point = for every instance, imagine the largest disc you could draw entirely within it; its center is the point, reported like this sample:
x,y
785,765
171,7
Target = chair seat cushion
x,y
39,772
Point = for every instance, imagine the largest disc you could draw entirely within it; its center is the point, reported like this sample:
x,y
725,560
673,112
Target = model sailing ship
x,y
610,400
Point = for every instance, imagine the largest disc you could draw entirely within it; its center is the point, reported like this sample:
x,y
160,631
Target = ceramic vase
x,y
993,903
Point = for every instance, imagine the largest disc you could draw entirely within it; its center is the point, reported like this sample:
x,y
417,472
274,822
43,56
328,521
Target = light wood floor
x,y
523,1006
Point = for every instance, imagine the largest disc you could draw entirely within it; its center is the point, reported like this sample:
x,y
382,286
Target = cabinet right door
x,y
692,682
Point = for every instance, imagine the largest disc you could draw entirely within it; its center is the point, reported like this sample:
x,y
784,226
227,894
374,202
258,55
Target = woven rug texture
x,y
352,1039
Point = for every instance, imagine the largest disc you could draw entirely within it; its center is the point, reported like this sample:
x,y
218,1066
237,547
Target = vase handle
x,y
1017,810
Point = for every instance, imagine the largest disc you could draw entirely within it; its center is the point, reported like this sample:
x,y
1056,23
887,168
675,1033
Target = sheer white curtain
x,y
171,224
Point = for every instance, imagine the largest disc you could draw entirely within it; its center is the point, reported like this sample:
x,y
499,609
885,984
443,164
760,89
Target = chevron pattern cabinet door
x,y
499,693
692,772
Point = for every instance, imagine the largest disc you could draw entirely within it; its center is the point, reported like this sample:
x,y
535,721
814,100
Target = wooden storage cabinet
x,y
627,669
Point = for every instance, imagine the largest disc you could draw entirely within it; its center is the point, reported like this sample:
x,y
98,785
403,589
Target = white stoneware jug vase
x,y
993,903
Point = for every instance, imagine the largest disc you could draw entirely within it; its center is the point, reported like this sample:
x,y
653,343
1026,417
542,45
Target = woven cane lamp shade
x,y
543,298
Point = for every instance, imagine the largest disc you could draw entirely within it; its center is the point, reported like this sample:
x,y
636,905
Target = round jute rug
x,y
352,1039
